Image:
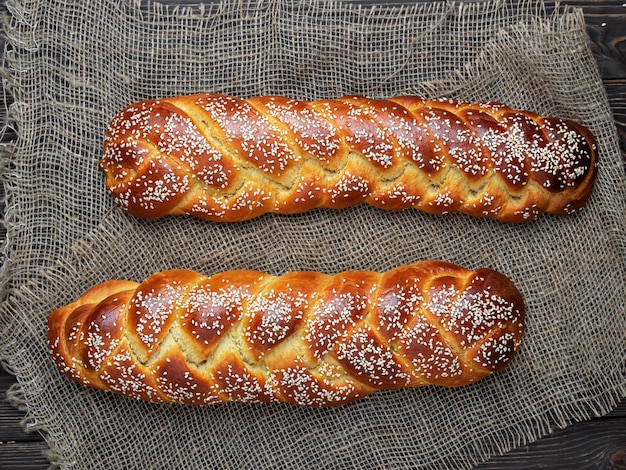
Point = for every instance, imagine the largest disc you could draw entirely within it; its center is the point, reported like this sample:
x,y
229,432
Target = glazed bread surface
x,y
228,159
304,338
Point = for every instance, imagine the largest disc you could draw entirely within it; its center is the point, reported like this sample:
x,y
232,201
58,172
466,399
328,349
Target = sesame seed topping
x,y
251,337
156,153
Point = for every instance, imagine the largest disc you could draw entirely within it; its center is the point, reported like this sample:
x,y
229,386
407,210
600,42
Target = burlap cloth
x,y
71,66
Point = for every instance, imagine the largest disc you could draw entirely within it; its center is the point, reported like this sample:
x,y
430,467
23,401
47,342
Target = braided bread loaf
x,y
227,159
304,337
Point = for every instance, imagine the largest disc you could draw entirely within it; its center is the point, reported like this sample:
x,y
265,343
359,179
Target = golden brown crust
x,y
228,159
305,337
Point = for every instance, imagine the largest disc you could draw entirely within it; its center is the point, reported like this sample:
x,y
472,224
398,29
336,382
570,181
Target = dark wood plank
x,y
606,26
23,455
619,411
18,449
11,428
597,444
616,91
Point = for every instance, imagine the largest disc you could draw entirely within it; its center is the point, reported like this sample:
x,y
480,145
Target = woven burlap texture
x,y
71,66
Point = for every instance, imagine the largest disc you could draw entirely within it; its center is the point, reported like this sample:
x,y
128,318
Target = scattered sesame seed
x,y
355,336
265,142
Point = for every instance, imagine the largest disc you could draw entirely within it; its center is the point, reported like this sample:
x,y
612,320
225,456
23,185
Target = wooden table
x,y
599,443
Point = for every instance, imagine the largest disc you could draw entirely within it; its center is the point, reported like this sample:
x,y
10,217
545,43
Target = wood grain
x,y
23,455
596,444
616,91
606,26
11,428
